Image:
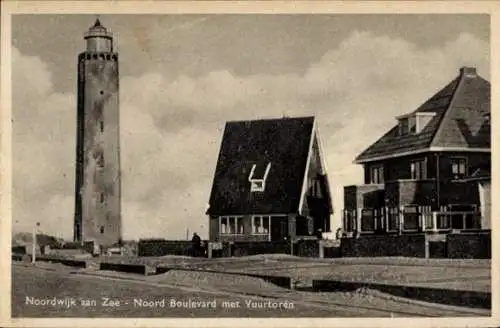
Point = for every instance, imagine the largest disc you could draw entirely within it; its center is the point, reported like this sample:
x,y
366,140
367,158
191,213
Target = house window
x,y
349,220
258,183
223,225
315,187
408,125
101,123
377,174
411,218
393,219
403,126
367,220
412,124
464,216
458,168
378,218
427,219
418,170
260,225
102,197
231,225
102,229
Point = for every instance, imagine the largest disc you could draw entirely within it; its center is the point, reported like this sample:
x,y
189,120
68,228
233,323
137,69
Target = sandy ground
x,y
458,274
48,280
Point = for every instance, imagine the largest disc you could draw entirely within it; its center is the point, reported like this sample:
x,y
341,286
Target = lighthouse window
x,y
102,229
101,92
102,125
99,159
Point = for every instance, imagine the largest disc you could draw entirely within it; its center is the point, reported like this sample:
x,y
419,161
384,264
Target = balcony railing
x,y
447,221
409,219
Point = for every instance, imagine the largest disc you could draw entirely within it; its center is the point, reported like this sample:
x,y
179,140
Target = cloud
x,y
172,126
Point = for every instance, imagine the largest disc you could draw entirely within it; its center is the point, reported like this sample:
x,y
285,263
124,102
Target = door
x,y
279,228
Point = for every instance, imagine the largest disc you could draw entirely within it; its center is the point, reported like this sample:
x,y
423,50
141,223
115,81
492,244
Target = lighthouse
x,y
98,186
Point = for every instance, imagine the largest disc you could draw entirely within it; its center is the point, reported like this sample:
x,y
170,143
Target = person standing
x,y
196,242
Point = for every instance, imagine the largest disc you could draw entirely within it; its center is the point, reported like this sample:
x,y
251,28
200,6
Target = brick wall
x,y
474,162
164,247
397,168
437,249
367,196
254,248
460,193
384,245
307,248
469,245
404,192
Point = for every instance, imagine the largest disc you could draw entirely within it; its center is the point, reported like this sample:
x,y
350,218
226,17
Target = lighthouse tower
x,y
97,188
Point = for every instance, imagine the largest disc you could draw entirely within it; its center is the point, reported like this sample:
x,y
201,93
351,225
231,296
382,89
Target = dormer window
x,y
414,123
403,126
258,183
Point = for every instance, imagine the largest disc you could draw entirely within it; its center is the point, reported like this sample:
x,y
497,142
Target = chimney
x,y
468,71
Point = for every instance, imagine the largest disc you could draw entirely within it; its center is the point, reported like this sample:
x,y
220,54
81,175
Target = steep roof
x,y
284,143
461,120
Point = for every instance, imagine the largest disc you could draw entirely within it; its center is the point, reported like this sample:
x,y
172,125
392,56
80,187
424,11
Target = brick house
x,y
432,170
270,182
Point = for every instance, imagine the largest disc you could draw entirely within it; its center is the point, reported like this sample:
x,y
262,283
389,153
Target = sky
x,y
183,76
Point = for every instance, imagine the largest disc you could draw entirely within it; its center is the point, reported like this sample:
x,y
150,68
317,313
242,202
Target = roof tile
x,y
461,108
282,142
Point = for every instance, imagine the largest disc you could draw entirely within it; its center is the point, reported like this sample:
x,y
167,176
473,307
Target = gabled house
x,y
270,182
426,173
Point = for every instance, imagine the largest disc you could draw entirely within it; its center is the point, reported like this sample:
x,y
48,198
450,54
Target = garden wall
x,y
255,248
159,247
413,245
475,245
307,248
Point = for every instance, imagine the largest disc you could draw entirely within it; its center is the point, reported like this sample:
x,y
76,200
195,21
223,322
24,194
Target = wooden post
x,y
401,220
292,221
209,250
434,221
427,247
386,218
269,228
420,214
359,213
33,248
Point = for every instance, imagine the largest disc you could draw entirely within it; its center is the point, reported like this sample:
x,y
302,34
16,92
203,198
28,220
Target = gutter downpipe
x,y
438,184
